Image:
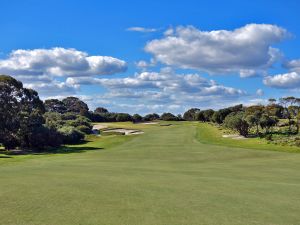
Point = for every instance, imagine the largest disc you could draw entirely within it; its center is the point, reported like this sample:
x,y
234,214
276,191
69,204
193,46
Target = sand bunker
x,y
233,136
99,127
149,123
125,131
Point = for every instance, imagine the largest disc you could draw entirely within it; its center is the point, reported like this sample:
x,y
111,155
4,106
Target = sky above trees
x,y
153,56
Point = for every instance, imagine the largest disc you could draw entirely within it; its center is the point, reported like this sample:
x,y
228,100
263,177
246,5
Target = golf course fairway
x,y
166,176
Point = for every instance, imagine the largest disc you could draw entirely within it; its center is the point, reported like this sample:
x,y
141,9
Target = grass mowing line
x,y
209,134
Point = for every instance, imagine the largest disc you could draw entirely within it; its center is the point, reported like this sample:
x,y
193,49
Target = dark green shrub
x,y
151,117
71,135
168,117
123,117
136,118
44,137
84,129
236,121
69,116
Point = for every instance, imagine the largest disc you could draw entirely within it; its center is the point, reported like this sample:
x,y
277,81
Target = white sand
x,y
233,136
125,131
149,123
99,127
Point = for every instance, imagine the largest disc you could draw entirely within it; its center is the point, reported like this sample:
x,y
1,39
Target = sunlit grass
x,y
165,176
211,134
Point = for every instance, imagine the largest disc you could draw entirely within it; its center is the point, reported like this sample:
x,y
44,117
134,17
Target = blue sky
x,y
161,55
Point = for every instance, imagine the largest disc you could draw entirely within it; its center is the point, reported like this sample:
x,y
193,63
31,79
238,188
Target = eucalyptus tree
x,y
21,113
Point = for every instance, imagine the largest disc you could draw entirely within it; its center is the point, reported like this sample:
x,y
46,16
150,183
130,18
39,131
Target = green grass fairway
x,y
169,175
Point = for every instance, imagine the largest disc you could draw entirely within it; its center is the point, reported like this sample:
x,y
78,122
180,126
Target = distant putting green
x,y
170,175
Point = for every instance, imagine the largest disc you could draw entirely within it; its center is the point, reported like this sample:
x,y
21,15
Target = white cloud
x,y
287,80
45,70
53,87
165,88
259,92
293,65
59,62
142,29
246,50
142,64
166,81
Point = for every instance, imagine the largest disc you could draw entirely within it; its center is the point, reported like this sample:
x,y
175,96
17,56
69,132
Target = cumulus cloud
x,y
246,50
289,80
165,88
59,62
53,87
45,69
166,81
142,64
293,65
142,29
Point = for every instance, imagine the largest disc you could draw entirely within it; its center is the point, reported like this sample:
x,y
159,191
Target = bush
x,y
69,116
53,120
136,118
168,117
236,121
151,117
191,114
79,121
45,137
123,117
84,129
71,135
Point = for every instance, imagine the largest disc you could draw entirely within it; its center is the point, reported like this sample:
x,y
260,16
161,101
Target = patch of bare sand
x,y
234,136
99,127
125,131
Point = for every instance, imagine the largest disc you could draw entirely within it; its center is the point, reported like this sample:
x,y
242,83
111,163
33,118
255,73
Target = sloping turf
x,y
163,177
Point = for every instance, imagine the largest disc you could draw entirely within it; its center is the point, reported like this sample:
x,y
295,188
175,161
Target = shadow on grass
x,y
70,149
4,157
61,150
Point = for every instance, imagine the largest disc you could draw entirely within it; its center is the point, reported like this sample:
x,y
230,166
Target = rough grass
x,y
164,176
211,134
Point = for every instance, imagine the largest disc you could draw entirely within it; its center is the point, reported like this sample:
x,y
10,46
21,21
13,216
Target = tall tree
x,y
100,110
191,114
136,118
236,121
287,102
55,105
20,113
75,105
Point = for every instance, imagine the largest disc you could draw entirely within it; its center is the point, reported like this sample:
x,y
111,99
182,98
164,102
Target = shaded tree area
x,y
29,124
169,117
151,117
21,117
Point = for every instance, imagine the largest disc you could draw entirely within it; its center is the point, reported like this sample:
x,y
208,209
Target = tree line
x,y
256,120
27,122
